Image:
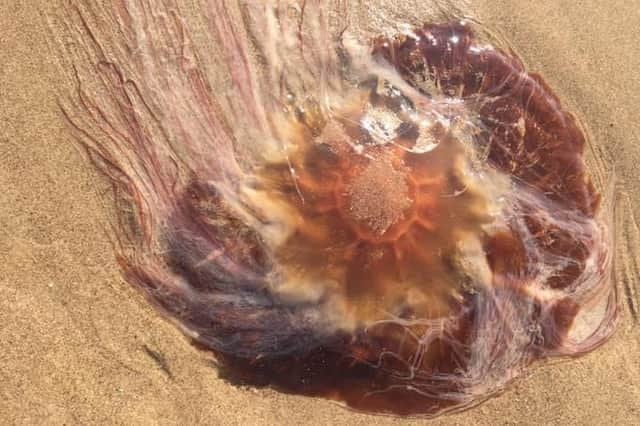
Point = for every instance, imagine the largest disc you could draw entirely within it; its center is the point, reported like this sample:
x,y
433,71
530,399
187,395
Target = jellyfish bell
x,y
401,223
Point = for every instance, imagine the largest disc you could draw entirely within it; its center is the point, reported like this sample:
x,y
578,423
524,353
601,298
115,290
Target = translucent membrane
x,y
401,222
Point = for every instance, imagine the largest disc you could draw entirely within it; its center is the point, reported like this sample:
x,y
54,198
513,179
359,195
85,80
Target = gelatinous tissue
x,y
401,220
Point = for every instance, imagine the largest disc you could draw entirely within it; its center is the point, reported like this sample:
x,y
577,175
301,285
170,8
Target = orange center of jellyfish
x,y
381,212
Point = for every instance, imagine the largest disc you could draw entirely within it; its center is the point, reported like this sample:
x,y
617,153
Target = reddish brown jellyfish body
x,y
424,228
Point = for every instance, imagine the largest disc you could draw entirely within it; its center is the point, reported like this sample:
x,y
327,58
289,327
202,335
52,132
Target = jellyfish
x,y
400,220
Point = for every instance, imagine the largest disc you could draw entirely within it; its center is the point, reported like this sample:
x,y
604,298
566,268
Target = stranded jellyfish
x,y
399,220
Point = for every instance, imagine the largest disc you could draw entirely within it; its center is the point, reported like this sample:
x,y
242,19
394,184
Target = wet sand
x,y
78,345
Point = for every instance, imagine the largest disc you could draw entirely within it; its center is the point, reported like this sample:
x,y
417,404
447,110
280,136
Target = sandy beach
x,y
78,345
